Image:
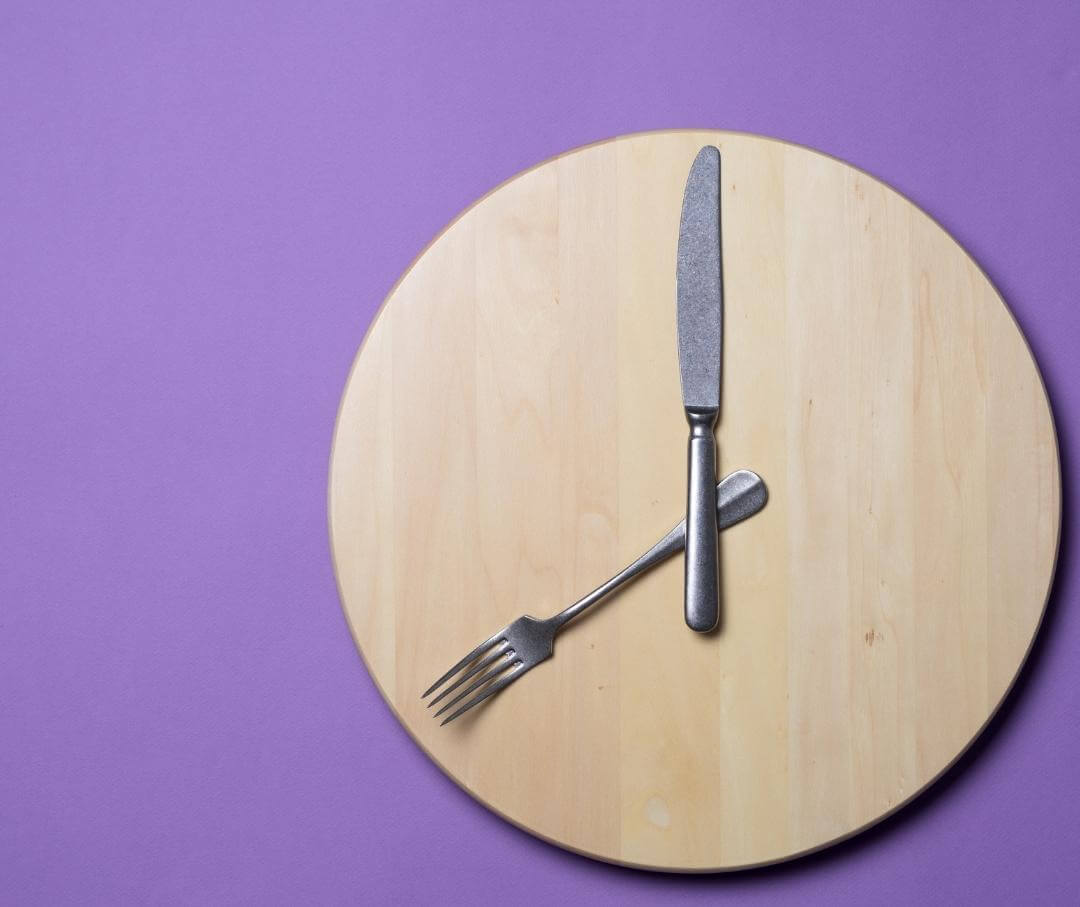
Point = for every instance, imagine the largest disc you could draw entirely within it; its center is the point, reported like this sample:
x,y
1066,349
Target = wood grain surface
x,y
512,433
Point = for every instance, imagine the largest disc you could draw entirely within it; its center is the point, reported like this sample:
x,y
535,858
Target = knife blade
x,y
700,308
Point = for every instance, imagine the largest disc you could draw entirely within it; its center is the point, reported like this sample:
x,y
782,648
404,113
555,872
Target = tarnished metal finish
x,y
700,284
700,291
701,566
522,645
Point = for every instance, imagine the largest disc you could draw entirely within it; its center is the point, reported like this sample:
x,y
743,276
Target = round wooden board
x,y
512,433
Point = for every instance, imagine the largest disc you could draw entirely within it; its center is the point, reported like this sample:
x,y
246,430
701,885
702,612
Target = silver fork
x,y
520,646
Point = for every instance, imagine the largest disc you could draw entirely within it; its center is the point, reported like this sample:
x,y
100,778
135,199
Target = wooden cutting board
x,y
512,433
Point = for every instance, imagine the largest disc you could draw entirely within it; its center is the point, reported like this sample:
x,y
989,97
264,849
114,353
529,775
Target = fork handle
x,y
738,496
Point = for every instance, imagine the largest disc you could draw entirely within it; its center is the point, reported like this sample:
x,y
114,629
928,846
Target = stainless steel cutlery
x,y
522,645
699,299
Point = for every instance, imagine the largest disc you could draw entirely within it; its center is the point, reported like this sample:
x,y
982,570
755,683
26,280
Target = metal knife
x,y
700,291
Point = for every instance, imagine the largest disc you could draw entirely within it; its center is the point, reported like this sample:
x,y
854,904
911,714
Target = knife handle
x,y
702,577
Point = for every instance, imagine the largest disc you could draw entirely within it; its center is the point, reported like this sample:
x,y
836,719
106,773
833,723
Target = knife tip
x,y
708,155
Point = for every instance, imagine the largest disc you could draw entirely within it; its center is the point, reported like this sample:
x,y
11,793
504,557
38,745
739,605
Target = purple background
x,y
203,205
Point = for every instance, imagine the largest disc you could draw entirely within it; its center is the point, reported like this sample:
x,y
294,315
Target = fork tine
x,y
506,679
480,648
476,684
500,651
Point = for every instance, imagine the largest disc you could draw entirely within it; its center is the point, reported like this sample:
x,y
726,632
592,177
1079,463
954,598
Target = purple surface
x,y
203,205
